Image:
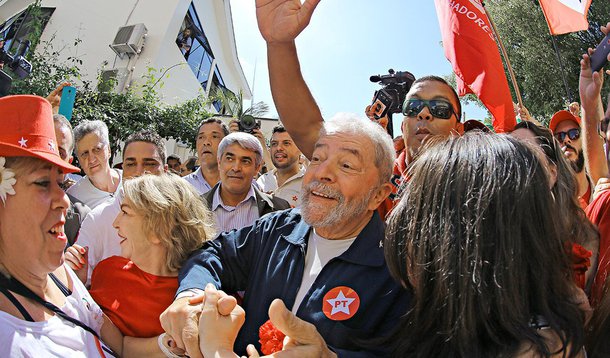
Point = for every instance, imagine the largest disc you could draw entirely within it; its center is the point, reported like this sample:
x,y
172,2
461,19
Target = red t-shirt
x,y
130,297
400,168
586,198
599,214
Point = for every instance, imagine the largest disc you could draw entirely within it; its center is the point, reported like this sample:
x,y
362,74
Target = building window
x,y
218,84
195,47
20,27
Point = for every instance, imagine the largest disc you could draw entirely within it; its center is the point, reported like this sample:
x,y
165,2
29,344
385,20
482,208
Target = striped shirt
x,y
234,217
197,180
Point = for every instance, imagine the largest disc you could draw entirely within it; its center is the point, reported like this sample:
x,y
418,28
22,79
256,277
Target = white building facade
x,y
192,39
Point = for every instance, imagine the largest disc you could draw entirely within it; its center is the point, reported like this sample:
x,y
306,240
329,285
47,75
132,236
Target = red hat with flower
x,y
28,130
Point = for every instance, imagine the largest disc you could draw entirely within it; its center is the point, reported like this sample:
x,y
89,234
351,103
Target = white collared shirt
x,y
289,191
234,217
88,194
197,180
98,235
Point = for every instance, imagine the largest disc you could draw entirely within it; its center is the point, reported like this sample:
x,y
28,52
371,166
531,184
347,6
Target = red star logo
x,y
340,303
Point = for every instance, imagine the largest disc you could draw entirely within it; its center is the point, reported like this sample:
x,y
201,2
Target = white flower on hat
x,y
7,180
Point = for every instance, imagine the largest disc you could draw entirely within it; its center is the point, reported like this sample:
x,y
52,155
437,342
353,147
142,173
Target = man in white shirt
x,y
235,200
286,179
101,182
144,152
211,132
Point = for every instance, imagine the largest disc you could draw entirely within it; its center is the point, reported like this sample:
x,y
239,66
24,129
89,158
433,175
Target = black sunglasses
x,y
573,134
439,108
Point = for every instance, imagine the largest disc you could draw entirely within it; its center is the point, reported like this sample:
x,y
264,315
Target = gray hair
x,y
383,144
98,127
64,123
246,141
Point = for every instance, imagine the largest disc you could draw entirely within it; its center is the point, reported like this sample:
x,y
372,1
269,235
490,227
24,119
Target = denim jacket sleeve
x,y
225,259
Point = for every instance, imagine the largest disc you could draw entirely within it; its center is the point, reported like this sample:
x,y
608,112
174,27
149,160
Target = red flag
x,y
565,16
471,48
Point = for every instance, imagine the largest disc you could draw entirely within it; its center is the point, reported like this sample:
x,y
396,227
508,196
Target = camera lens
x,y
248,123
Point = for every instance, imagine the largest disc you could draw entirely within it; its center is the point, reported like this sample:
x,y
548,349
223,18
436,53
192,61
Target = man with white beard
x,y
324,260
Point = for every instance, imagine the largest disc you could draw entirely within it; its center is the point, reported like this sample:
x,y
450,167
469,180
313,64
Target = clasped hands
x,y
213,320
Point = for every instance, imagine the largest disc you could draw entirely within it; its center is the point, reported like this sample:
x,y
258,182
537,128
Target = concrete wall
x,y
95,24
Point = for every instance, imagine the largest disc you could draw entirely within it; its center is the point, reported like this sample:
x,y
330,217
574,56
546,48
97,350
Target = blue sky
x,y
346,42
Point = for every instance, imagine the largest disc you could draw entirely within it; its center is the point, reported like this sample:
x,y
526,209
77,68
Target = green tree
x,y
524,31
233,104
124,113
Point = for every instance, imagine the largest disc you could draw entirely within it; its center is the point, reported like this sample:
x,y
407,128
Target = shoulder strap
x,y
65,290
19,288
18,305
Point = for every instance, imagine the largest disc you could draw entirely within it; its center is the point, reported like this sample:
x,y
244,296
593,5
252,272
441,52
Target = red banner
x,y
565,16
471,48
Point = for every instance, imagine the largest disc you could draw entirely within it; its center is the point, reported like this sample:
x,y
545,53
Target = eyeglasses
x,y
439,108
573,134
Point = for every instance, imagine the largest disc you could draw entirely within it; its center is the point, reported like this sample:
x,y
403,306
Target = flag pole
x,y
505,54
563,77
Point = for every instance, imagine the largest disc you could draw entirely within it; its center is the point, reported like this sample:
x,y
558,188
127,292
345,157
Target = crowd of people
x,y
333,240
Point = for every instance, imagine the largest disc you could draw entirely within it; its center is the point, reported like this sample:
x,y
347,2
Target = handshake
x,y
207,326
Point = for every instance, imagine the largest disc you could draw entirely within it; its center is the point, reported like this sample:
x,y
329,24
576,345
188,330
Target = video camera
x,y
16,63
247,123
389,99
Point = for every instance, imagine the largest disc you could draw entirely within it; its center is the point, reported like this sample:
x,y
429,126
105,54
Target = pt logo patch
x,y
340,303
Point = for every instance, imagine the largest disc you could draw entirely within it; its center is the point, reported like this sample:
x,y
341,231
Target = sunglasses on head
x,y
439,108
573,134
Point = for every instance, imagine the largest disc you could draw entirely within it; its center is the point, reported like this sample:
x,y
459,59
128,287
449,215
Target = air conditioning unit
x,y
129,40
113,80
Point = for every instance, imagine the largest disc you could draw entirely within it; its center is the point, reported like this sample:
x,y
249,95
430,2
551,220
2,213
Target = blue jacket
x,y
267,261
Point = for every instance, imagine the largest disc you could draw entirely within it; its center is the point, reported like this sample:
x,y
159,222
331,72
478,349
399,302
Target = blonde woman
x,y
162,220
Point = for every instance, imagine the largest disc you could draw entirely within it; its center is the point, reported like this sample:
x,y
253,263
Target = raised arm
x,y
280,22
590,84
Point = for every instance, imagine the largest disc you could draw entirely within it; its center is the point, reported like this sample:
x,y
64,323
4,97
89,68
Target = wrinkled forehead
x,y
279,136
141,150
211,127
90,140
566,125
347,143
428,90
236,149
28,165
